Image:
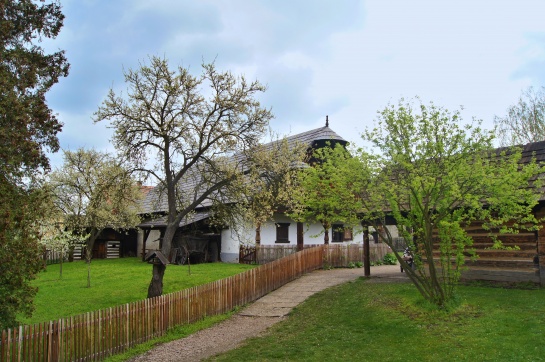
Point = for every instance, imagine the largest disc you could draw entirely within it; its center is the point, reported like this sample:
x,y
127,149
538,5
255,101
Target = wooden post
x,y
161,237
145,238
258,235
366,256
541,248
300,236
326,233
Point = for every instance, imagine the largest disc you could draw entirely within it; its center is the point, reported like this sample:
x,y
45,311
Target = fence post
x,y
20,343
366,256
300,236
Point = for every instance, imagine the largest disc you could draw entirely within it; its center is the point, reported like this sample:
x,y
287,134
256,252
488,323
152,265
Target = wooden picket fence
x,y
96,335
52,257
335,255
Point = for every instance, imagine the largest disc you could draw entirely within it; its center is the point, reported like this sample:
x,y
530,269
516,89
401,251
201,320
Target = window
x,y
282,232
340,233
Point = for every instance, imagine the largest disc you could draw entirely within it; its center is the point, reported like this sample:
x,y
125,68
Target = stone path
x,y
280,302
255,319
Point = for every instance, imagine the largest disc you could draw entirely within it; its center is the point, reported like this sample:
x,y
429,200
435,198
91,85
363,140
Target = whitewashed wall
x,y
231,239
313,234
151,244
392,228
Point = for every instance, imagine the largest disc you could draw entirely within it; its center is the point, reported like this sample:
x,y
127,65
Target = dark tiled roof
x,y
535,150
530,151
318,134
162,221
155,201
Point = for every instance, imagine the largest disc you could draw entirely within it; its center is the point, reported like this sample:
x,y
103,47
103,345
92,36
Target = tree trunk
x,y
156,285
366,256
89,253
300,236
71,253
60,267
326,233
88,256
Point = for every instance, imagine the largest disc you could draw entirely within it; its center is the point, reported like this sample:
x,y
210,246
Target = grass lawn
x,y
361,321
113,282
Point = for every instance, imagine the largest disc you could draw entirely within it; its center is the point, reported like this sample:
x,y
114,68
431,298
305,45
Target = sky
x,y
347,59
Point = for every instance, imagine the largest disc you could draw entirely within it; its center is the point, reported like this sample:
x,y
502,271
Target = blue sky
x,y
346,59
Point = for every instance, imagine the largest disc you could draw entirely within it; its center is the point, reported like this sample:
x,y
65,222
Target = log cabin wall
x,y
510,265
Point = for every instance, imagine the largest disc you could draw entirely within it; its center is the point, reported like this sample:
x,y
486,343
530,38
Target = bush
x,y
359,264
351,265
390,259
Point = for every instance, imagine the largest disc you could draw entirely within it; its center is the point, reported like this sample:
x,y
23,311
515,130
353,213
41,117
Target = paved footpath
x,y
280,302
254,320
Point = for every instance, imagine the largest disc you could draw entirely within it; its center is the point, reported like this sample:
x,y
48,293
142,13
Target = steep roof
x,y
533,150
154,202
530,151
313,136
162,220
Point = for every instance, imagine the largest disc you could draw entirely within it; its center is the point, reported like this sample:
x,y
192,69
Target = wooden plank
x,y
8,345
4,346
127,328
19,344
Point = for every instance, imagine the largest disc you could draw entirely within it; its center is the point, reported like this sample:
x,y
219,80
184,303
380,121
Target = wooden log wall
x,y
513,264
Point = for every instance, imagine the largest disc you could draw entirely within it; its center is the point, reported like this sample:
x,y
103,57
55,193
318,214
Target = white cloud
x,y
344,59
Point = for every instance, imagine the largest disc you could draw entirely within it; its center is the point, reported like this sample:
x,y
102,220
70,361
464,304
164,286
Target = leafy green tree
x,y
20,252
271,182
525,121
436,175
184,131
55,238
331,186
93,191
28,128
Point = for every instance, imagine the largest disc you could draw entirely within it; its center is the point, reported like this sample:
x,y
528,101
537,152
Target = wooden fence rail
x,y
52,257
95,335
336,255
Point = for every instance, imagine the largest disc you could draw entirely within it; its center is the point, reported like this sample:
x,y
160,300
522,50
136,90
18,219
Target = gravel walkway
x,y
260,315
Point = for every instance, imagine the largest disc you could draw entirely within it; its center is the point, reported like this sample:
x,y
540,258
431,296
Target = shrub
x,y
390,259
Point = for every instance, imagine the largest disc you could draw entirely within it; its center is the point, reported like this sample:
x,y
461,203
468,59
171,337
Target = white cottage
x,y
211,244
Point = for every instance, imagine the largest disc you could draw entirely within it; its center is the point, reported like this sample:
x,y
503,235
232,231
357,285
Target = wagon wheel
x,y
182,258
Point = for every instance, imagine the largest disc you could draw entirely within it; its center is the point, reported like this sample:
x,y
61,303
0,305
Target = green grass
x,y
360,321
113,282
